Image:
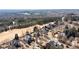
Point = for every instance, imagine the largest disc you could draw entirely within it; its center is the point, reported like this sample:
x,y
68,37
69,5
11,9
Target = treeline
x,y
72,18
30,21
33,21
40,21
23,23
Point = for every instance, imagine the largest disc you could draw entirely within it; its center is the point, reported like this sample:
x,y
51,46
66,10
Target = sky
x,y
39,4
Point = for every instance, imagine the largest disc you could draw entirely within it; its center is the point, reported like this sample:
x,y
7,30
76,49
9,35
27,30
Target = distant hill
x,y
34,13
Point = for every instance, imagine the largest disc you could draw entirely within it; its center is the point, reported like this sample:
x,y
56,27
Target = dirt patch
x,y
9,35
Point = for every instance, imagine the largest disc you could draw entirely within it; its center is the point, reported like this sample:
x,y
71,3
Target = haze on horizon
x,y
39,4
